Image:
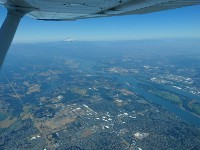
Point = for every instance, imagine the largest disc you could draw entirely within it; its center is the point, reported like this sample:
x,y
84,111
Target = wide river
x,y
181,113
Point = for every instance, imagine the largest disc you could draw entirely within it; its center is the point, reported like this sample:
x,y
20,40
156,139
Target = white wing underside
x,y
79,9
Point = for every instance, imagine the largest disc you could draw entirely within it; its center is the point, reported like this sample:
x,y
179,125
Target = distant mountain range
x,y
68,39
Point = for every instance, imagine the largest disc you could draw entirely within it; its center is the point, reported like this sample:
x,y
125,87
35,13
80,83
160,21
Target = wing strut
x,y
7,32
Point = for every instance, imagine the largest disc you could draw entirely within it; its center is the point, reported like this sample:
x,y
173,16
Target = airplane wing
x,y
75,9
79,9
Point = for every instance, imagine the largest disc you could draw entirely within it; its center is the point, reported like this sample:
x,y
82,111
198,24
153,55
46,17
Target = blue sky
x,y
178,23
